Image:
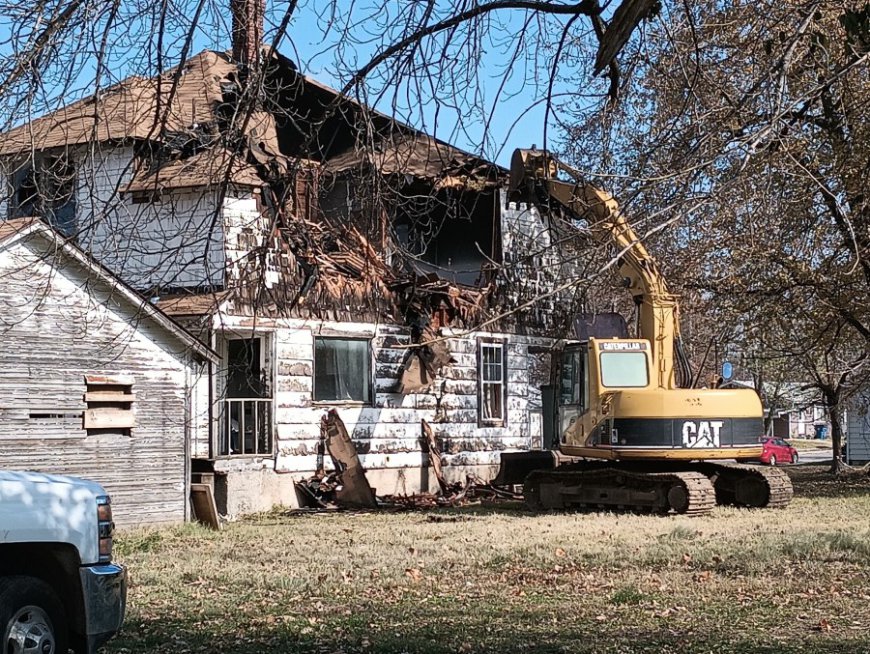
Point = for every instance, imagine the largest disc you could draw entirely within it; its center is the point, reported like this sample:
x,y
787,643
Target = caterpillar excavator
x,y
630,434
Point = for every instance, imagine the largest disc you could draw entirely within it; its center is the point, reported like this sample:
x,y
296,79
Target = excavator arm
x,y
534,176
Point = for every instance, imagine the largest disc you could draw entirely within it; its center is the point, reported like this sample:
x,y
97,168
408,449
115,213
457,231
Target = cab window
x,y
574,378
624,369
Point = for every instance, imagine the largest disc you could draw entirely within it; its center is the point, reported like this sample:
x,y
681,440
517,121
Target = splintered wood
x,y
348,487
354,489
430,446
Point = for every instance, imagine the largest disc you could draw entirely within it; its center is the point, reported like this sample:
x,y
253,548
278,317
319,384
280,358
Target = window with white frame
x,y
342,370
492,383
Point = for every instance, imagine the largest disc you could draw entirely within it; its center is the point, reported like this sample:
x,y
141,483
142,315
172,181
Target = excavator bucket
x,y
516,466
529,165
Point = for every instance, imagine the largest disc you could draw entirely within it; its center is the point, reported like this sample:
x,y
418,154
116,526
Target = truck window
x,y
624,369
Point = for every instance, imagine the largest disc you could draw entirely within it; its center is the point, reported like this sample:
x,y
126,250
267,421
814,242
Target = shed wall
x,y
858,429
57,326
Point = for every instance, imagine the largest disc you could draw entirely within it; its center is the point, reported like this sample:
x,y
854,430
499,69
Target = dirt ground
x,y
495,578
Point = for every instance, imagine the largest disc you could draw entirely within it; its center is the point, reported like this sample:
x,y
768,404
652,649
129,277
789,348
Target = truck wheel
x,y
32,619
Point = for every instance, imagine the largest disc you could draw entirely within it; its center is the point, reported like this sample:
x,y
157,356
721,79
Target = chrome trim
x,y
104,590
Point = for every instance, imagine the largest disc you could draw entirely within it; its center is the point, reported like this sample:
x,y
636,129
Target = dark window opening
x,y
244,371
455,236
47,190
246,412
342,370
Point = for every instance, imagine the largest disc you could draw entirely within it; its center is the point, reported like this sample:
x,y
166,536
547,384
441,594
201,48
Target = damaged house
x,y
332,257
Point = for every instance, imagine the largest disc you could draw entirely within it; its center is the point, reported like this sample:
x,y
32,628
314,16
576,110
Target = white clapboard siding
x,y
59,326
858,429
387,433
135,239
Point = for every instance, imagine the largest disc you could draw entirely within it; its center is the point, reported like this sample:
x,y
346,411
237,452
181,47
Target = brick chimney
x,y
247,30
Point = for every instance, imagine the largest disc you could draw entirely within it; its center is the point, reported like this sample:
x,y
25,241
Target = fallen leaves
x,y
481,583
823,625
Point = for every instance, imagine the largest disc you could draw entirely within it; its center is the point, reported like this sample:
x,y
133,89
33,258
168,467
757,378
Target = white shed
x,y
858,429
94,381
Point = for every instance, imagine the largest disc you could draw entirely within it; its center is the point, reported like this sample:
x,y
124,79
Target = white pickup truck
x,y
59,589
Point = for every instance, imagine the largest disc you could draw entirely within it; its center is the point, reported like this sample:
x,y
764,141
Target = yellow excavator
x,y
629,436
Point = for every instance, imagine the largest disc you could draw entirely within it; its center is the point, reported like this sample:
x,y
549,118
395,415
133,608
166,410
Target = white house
x,y
333,258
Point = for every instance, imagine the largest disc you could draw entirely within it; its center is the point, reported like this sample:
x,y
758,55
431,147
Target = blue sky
x,y
515,122
498,109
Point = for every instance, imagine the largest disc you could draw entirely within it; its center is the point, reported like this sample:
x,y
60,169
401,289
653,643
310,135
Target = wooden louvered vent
x,y
110,404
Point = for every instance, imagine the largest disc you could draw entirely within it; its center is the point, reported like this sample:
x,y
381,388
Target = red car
x,y
777,450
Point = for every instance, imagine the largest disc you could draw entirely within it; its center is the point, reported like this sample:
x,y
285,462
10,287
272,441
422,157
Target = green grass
x,y
495,578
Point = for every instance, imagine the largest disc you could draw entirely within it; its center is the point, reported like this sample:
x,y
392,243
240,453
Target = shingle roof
x,y
15,226
191,305
128,110
202,169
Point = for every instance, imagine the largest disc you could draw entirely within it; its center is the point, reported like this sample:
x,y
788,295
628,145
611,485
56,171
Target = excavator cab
x,y
565,400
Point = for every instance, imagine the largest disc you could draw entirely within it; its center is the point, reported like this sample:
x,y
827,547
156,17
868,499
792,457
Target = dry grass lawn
x,y
806,444
499,579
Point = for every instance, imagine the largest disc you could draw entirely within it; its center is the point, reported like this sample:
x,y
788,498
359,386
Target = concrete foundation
x,y
240,492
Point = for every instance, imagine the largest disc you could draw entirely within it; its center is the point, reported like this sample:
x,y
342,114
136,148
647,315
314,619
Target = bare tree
x,y
747,123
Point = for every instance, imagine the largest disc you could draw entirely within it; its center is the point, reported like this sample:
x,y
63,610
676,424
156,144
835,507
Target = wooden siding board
x,y
858,429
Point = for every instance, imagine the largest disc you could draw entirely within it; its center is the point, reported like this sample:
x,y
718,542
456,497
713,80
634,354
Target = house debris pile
x,y
346,487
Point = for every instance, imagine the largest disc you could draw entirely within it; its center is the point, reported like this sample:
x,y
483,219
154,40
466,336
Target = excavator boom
x,y
535,173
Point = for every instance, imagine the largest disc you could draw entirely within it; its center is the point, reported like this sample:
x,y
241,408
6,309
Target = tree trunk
x,y
832,400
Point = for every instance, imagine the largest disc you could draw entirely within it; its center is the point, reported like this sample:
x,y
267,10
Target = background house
x,y
94,382
791,409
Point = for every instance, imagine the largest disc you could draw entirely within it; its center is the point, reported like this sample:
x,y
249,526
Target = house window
x,y
46,189
342,370
246,411
492,387
110,405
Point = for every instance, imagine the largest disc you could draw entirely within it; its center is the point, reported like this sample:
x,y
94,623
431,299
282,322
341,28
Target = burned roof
x,y
418,155
295,119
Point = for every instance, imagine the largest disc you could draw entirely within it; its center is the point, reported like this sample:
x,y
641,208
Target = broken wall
x,y
386,430
539,256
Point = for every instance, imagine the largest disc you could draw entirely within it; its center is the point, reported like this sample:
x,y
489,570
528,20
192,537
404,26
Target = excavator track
x,y
749,485
687,492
